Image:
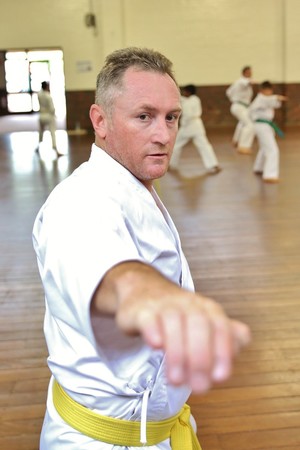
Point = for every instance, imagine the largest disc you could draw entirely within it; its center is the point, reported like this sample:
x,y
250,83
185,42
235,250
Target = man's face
x,y
141,132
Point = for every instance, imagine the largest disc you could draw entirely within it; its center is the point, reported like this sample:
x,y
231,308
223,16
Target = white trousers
x,y
267,159
47,121
244,131
197,134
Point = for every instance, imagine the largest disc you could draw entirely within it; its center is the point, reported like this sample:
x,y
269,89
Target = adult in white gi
x,y
262,111
47,115
128,337
192,128
240,94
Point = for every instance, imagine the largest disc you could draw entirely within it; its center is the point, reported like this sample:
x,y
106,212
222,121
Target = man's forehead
x,y
136,76
147,87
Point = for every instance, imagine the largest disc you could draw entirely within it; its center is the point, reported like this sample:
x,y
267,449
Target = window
x,y
24,73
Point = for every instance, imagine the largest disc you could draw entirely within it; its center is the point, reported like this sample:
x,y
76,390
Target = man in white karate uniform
x,y
192,129
240,94
128,337
47,115
262,111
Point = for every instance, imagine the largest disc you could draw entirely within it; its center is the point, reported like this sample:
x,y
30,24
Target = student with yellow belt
x,y
128,337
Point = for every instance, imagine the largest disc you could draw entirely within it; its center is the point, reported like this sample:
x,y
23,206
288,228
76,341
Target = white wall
x,y
208,40
292,41
53,23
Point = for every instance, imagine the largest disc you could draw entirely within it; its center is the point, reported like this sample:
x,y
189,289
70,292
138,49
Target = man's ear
x,y
99,120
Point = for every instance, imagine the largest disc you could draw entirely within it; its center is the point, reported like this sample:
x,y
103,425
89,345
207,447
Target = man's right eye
x,y
144,117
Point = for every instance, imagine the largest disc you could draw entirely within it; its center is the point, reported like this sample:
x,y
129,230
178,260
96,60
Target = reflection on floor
x,y
25,122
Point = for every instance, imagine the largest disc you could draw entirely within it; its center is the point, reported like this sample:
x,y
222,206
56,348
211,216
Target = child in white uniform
x,y
192,128
240,94
262,113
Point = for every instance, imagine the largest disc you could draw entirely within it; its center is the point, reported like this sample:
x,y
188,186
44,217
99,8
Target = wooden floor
x,y
242,239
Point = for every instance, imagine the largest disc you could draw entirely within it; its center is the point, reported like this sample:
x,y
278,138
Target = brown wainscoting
x,y
292,90
78,107
216,107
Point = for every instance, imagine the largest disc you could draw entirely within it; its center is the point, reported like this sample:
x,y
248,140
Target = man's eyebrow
x,y
177,110
147,107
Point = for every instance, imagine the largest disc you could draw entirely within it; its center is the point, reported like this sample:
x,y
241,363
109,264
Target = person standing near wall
x,y
192,128
240,94
47,115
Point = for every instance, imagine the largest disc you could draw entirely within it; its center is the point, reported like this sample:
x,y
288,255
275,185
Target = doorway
x,y
24,72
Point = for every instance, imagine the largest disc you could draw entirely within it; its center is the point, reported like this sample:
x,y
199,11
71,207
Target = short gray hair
x,y
110,78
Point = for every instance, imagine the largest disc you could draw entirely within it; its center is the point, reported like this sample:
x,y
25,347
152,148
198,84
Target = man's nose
x,y
162,132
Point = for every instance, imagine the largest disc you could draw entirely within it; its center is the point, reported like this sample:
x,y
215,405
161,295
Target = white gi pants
x,y
195,132
267,159
244,131
47,121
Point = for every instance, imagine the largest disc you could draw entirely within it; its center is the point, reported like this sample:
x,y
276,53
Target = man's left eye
x,y
171,117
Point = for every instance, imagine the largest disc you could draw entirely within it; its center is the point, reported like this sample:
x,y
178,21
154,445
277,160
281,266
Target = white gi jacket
x,y
97,217
263,106
191,111
240,91
47,110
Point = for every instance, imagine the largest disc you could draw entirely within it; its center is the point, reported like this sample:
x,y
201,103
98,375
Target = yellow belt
x,y
124,432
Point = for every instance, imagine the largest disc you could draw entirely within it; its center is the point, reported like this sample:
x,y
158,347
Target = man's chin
x,y
159,172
